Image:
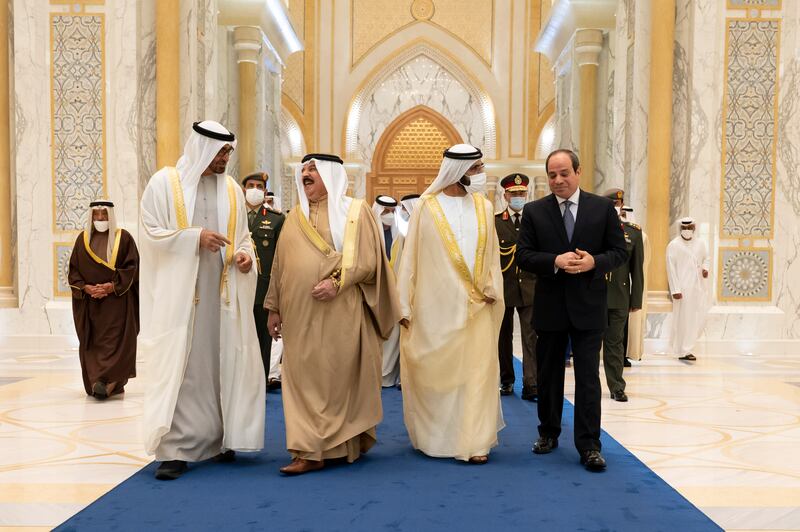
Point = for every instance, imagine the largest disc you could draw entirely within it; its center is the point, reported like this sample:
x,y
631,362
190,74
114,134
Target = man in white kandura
x,y
451,300
687,271
391,347
205,394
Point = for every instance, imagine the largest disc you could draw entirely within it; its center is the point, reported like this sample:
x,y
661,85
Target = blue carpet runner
x,y
394,488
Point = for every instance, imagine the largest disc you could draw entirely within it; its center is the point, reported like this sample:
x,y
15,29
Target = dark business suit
x,y
570,306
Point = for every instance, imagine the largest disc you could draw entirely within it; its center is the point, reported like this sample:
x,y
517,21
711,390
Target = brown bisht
x,y
106,327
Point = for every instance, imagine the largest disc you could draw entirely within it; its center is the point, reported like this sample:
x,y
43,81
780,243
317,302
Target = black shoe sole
x,y
594,468
169,475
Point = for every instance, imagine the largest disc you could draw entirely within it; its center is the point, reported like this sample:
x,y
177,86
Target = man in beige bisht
x,y
332,298
205,379
451,300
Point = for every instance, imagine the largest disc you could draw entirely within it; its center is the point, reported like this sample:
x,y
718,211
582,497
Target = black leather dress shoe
x,y
544,445
626,363
171,470
99,390
227,456
507,389
619,396
529,394
593,461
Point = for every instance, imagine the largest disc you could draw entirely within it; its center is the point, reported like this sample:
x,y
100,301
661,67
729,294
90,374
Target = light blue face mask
x,y
516,203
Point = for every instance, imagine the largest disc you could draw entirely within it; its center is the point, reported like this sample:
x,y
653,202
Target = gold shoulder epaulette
x,y
635,226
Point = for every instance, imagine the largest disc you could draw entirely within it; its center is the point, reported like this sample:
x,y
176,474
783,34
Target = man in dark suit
x,y
518,286
265,226
570,239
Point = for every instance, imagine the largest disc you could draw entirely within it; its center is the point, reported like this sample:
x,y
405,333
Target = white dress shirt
x,y
572,208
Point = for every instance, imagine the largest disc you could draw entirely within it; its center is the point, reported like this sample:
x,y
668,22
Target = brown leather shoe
x,y
479,460
301,465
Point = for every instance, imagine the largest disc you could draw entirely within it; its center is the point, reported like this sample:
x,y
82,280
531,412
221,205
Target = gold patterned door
x,y
409,153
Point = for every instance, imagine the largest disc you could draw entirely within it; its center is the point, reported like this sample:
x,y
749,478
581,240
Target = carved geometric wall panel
x,y
61,254
745,274
750,128
77,115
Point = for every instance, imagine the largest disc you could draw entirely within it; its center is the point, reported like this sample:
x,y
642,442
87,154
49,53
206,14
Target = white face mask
x,y
388,218
516,203
618,209
687,234
101,226
254,196
404,214
477,183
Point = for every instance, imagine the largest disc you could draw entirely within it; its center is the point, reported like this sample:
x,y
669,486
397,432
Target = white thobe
x,y
173,277
275,355
460,214
686,261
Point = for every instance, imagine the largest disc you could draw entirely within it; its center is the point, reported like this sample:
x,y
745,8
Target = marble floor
x,y
725,432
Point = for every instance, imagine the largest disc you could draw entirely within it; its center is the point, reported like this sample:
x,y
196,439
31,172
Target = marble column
x,y
6,249
659,142
247,43
167,82
588,44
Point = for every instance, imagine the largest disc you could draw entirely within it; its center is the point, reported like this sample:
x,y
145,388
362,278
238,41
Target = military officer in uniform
x,y
518,287
265,226
625,287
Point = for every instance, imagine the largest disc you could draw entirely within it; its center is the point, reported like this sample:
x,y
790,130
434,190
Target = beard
x,y
466,181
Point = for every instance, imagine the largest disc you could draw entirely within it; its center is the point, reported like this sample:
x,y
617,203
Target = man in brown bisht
x,y
104,277
332,299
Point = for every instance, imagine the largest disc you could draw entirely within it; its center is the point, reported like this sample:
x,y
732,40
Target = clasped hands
x,y
577,261
99,291
213,241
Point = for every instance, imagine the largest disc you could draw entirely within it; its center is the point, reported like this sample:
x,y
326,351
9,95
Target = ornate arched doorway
x,y
408,154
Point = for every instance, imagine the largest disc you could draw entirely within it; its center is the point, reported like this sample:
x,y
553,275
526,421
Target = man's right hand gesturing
x,y
212,241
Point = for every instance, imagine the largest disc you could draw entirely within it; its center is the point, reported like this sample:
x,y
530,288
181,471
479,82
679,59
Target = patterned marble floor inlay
x,y
724,432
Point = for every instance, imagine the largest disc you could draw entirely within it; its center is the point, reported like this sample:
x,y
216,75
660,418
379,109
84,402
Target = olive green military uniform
x,y
518,289
625,286
265,226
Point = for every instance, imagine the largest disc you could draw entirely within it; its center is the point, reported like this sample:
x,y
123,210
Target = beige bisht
x,y
448,355
331,369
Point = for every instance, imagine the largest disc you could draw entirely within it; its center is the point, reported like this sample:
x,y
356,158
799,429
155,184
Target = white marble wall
x,y
142,119
198,45
420,81
122,163
604,173
786,264
31,170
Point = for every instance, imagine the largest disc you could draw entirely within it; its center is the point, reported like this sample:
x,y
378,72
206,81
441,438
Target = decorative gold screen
x,y
419,145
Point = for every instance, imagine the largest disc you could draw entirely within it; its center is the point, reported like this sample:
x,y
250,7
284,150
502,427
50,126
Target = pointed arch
x,y
409,152
485,117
